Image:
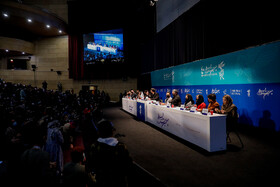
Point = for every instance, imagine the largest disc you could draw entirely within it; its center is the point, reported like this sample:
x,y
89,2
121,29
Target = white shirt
x,y
109,141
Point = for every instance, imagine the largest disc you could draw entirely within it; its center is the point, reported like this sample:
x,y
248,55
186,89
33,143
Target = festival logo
x,y
215,91
187,90
209,71
163,122
169,76
264,93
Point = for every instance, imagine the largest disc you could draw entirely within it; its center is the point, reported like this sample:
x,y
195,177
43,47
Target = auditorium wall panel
x,y
14,44
52,53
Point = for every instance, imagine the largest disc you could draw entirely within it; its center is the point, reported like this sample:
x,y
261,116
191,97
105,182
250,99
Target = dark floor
x,y
178,163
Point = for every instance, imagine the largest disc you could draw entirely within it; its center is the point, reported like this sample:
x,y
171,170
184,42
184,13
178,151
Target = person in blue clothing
x,y
53,144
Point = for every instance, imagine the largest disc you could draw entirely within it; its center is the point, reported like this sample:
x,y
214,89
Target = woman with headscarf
x,y
189,102
200,103
230,109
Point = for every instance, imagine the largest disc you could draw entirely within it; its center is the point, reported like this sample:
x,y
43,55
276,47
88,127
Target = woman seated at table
x,y
168,99
200,103
213,104
230,109
189,102
228,106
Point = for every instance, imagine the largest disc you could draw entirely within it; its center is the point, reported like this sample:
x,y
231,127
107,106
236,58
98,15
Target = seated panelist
x,y
176,101
213,104
200,103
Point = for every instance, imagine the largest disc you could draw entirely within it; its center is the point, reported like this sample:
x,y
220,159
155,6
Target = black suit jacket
x,y
155,96
176,101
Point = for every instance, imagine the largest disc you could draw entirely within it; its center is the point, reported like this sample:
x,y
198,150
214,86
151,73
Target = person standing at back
x,y
45,85
108,158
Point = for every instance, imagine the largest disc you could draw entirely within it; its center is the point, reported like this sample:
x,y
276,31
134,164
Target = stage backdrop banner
x,y
250,76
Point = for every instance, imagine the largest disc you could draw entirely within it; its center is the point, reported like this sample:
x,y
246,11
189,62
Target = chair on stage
x,y
232,126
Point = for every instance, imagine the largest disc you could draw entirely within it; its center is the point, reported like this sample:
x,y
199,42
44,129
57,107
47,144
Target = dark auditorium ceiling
x,y
136,17
28,22
92,15
84,16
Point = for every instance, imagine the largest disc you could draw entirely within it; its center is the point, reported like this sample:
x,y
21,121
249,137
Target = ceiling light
x,y
5,15
7,50
48,26
60,31
23,53
29,20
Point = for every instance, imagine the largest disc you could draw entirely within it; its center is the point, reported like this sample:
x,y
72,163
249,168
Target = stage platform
x,y
176,162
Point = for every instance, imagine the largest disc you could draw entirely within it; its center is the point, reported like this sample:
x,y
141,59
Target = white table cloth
x,y
205,131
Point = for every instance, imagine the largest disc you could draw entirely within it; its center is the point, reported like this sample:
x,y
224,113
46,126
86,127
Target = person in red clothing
x,y
200,103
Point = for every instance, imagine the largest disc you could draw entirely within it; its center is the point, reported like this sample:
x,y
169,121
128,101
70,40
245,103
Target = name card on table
x,y
193,109
204,111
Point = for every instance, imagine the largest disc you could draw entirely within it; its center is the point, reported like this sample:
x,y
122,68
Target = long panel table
x,y
130,106
205,131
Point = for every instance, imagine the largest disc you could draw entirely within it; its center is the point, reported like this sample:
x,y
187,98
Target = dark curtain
x,y
144,82
76,61
211,28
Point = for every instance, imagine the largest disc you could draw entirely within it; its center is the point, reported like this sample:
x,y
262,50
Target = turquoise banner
x,y
250,76
250,66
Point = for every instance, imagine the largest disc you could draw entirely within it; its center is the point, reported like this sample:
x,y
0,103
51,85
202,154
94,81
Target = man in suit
x,y
176,101
154,94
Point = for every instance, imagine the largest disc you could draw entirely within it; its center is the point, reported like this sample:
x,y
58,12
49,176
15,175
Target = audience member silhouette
x,y
108,158
31,130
